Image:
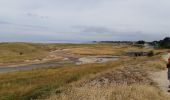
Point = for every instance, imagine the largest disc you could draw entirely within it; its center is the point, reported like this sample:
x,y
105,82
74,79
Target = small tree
x,y
151,53
165,43
20,53
140,42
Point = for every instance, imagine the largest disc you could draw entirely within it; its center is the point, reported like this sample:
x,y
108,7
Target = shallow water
x,y
32,66
84,60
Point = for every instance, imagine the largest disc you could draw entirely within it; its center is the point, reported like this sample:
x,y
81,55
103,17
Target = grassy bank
x,y
18,52
26,85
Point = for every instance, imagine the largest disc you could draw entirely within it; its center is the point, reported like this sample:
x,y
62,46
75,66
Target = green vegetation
x,y
151,53
140,42
165,43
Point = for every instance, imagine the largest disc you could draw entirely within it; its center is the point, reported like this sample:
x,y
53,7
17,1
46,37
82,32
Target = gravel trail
x,y
161,78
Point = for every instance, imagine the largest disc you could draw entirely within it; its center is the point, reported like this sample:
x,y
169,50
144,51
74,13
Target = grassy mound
x,y
17,52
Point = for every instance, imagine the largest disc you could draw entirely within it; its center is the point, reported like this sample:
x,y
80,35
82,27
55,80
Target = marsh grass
x,y
32,84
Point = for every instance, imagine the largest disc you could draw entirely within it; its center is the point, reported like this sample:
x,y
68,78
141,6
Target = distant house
x,y
148,45
136,53
116,42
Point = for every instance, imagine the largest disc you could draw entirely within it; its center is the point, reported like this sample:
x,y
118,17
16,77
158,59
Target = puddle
x,y
96,59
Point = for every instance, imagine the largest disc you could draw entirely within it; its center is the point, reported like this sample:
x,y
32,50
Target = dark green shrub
x,y
151,53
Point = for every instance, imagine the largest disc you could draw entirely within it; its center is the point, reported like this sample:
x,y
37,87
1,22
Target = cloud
x,y
38,16
80,20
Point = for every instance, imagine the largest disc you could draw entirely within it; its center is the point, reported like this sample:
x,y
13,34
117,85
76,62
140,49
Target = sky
x,y
84,20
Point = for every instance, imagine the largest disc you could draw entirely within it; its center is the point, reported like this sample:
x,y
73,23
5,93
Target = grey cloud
x,y
37,16
4,22
104,33
98,30
22,25
92,19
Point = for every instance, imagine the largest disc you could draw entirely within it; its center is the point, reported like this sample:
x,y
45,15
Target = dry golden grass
x,y
112,92
96,51
18,52
157,64
10,52
26,85
32,84
102,49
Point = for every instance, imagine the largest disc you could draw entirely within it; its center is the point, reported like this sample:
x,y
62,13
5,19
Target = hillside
x,y
26,53
19,52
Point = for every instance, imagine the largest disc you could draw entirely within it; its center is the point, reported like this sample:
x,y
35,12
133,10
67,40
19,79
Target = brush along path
x,y
131,74
161,77
127,83
162,81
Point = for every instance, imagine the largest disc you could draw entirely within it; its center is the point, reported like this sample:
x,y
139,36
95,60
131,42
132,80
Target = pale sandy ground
x,y
96,59
161,78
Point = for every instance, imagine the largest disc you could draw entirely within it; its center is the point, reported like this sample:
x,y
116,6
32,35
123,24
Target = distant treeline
x,y
128,42
165,43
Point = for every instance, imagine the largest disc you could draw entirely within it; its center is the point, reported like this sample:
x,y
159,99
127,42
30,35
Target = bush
x,y
150,53
140,42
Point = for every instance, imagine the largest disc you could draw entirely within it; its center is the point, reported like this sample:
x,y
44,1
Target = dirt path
x,y
161,78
